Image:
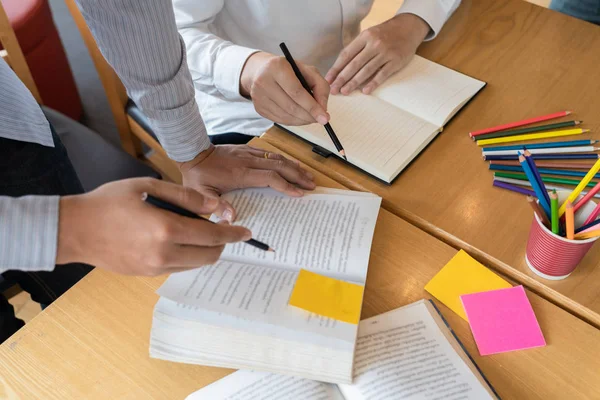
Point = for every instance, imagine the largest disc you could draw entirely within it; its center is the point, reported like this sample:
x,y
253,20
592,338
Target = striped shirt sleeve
x,y
139,39
28,233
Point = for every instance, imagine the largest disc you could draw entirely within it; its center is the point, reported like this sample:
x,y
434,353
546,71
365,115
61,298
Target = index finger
x,y
317,83
197,232
294,89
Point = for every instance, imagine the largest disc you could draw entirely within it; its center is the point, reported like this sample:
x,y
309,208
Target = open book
x,y
235,313
409,353
382,132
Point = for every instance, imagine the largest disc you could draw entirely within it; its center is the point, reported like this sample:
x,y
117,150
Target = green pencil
x,y
541,128
554,211
545,179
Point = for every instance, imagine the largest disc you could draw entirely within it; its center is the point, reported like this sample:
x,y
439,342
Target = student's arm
x,y
231,72
382,50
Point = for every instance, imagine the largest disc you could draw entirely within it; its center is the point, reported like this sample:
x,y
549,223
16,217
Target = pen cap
x,y
552,256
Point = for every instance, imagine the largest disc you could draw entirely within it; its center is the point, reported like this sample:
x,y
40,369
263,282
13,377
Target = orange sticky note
x,y
327,296
463,275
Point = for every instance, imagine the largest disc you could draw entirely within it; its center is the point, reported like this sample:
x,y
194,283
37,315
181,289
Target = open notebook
x,y
235,313
408,353
382,132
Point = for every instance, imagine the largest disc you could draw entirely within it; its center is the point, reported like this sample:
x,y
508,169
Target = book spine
x,y
464,349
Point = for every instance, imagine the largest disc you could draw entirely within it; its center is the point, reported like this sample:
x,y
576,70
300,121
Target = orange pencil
x,y
570,220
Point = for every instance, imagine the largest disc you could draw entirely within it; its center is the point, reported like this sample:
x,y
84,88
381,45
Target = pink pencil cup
x,y
552,256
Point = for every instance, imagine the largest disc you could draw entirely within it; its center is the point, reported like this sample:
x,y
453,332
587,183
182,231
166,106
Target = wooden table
x,y
535,61
92,342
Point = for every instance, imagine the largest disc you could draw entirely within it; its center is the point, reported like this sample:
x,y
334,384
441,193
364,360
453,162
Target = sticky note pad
x,y
462,275
327,296
502,320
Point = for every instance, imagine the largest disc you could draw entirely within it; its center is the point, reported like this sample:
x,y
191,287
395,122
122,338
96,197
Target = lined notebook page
x,y
245,385
403,354
377,137
428,90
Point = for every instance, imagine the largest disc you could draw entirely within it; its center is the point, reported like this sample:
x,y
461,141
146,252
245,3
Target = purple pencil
x,y
514,188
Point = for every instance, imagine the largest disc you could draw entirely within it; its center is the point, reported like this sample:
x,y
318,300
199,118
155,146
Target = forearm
x,y
28,233
434,12
140,41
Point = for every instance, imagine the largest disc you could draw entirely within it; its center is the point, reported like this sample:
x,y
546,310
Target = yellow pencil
x,y
532,136
570,220
582,184
587,235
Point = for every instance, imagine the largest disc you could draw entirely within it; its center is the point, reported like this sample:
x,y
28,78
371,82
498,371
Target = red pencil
x,y
587,197
520,123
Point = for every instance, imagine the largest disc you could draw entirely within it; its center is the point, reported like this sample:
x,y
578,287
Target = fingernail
x,y
322,119
366,90
247,235
309,175
228,215
299,192
333,89
329,77
211,202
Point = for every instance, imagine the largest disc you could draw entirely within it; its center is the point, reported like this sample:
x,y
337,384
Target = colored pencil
x,y
165,205
566,124
588,235
546,171
514,188
554,212
519,182
590,229
546,179
539,191
538,178
577,156
587,197
586,179
593,215
520,123
569,220
585,227
547,164
547,145
536,209
532,136
555,150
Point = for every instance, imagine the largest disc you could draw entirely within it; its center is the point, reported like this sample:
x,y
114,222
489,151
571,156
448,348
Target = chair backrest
x,y
15,56
114,89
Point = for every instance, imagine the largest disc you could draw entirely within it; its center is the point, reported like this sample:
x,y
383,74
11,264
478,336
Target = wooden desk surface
x,y
535,61
92,343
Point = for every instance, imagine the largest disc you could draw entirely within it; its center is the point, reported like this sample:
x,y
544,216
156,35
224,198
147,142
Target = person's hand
x,y
114,229
221,169
376,54
277,93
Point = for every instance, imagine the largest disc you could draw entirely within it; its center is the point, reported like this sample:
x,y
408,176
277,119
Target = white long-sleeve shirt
x,y
220,35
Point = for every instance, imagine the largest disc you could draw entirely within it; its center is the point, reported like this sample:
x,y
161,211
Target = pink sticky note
x,y
502,320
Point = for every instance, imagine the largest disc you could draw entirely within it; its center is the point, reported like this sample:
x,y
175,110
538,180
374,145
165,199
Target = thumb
x,y
225,211
184,197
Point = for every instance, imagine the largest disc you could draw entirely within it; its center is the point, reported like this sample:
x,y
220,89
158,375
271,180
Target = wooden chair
x,y
131,123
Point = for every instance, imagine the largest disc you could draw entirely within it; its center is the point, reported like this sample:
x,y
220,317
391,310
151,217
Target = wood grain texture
x,y
535,61
92,342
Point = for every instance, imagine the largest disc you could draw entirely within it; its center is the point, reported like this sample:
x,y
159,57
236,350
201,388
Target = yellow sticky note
x,y
328,297
463,275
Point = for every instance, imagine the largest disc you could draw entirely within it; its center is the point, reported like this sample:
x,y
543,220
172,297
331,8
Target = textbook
x,y
235,313
408,353
383,132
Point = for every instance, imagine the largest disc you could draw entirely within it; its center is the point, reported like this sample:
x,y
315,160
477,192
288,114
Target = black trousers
x,y
32,169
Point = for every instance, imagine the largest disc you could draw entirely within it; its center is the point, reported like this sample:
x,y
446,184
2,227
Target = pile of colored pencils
x,y
535,168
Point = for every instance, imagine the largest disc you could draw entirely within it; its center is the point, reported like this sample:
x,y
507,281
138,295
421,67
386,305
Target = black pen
x,y
328,128
158,203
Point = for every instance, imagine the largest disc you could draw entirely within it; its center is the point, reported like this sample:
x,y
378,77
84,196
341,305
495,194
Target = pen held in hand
x,y
328,128
164,205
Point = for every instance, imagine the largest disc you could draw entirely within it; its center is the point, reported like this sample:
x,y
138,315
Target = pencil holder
x,y
552,256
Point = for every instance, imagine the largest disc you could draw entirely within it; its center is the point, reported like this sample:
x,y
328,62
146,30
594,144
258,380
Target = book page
x,y
403,354
428,90
252,292
377,136
251,385
324,233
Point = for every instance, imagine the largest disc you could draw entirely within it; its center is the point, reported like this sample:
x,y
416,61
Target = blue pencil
x,y
549,145
579,156
547,171
584,227
538,178
534,184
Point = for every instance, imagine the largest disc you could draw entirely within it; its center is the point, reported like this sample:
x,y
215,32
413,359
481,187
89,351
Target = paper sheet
x,y
462,275
502,320
328,297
